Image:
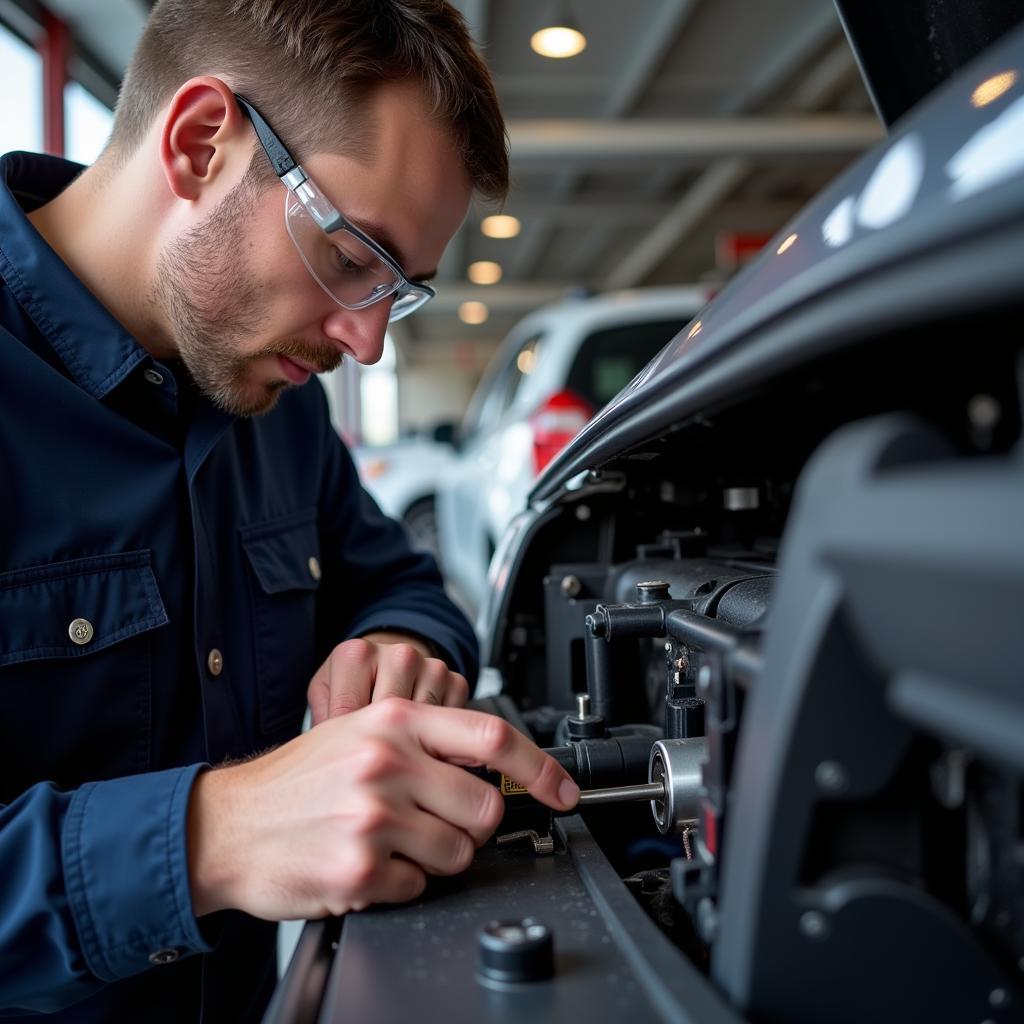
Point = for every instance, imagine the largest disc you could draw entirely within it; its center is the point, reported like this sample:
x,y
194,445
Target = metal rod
x,y
623,794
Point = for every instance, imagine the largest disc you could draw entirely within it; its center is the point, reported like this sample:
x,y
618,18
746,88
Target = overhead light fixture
x,y
484,272
473,312
500,225
559,36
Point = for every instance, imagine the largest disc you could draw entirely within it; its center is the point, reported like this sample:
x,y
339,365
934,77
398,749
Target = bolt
x,y
652,591
830,776
998,998
707,920
813,924
571,586
704,677
582,513
668,647
984,412
582,704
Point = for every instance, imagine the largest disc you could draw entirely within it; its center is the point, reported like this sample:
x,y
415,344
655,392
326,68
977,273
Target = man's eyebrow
x,y
383,238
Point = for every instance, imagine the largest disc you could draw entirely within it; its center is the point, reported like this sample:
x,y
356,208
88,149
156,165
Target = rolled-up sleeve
x,y
94,885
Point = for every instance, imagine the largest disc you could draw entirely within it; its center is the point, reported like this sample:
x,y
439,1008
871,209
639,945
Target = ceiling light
x,y
559,36
473,312
484,272
500,225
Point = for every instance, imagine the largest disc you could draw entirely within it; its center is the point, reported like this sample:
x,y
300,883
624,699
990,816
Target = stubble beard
x,y
213,303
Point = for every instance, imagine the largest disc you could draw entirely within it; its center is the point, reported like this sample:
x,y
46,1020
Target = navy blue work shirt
x,y
170,578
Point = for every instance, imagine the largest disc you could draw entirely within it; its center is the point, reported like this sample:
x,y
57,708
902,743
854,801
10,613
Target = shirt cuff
x,y
126,871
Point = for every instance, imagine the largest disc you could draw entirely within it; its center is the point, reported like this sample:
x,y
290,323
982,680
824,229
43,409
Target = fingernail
x,y
569,793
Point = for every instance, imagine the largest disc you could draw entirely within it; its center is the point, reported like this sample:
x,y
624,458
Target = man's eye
x,y
344,262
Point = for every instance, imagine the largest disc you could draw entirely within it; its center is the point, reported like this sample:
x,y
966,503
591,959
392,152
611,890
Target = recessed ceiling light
x,y
473,312
500,225
559,36
484,272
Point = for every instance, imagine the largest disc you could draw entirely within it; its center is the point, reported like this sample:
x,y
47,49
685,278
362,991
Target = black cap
x,y
515,951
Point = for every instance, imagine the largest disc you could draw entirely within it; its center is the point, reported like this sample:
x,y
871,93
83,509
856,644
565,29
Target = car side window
x,y
501,391
609,359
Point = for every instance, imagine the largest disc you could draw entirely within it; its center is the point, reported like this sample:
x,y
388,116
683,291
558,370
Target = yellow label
x,y
509,787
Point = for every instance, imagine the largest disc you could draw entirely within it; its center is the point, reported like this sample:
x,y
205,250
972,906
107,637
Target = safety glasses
x,y
349,265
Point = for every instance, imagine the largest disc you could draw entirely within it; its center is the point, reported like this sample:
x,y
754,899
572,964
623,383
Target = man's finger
x,y
397,880
398,665
437,846
437,684
448,733
458,797
319,693
458,691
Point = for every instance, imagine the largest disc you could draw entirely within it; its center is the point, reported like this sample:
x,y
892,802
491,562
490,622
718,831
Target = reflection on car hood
x,y
951,167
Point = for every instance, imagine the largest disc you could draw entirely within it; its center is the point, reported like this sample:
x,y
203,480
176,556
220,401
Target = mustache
x,y
323,358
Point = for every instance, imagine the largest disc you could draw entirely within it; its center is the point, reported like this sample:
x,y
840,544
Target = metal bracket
x,y
541,844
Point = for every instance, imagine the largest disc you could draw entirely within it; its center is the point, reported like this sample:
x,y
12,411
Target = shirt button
x,y
314,567
80,631
215,662
153,376
163,956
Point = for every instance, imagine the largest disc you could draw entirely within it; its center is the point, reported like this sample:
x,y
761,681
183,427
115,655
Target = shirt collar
x,y
97,350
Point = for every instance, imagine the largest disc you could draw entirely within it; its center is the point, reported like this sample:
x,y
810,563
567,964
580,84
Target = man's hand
x,y
357,811
381,665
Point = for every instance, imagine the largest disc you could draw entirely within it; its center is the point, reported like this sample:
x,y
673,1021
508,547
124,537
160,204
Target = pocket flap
x,y
285,553
108,598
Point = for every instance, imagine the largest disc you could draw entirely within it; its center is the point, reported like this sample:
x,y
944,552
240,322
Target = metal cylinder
x,y
677,764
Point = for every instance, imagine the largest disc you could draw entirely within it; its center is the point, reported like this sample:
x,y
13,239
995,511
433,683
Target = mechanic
x,y
184,539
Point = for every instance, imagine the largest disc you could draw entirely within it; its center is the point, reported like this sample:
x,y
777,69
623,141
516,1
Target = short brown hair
x,y
307,64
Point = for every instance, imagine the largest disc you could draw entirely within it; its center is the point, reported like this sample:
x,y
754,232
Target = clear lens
x,y
340,262
351,271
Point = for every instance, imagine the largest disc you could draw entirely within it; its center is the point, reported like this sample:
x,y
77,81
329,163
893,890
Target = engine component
x,y
676,764
516,951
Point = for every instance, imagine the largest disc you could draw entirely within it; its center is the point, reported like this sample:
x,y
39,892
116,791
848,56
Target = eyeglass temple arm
x,y
282,161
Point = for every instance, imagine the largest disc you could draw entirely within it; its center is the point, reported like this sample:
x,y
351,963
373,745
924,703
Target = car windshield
x,y
608,360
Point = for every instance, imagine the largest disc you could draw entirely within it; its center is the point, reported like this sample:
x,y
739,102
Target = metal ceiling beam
x,y
629,88
637,75
600,143
714,185
582,212
808,35
499,298
834,71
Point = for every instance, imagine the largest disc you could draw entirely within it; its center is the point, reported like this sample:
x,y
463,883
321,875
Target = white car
x,y
555,369
402,478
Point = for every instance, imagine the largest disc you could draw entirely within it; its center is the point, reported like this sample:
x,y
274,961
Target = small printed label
x,y
510,787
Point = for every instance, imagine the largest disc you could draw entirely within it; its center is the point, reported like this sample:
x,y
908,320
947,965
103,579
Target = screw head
x,y
813,924
704,677
830,776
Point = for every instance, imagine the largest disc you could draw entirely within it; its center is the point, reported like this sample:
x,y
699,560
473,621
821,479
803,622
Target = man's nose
x,y
361,331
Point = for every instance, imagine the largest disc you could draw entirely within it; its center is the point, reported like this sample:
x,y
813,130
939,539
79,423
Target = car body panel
x,y
489,481
949,169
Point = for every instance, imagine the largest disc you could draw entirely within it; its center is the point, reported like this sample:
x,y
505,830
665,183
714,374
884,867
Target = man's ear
x,y
203,136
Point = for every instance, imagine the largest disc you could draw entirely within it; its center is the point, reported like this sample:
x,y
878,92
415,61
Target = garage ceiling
x,y
681,119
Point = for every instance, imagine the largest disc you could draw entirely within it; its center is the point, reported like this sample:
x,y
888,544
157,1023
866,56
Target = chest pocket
x,y
75,670
284,556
